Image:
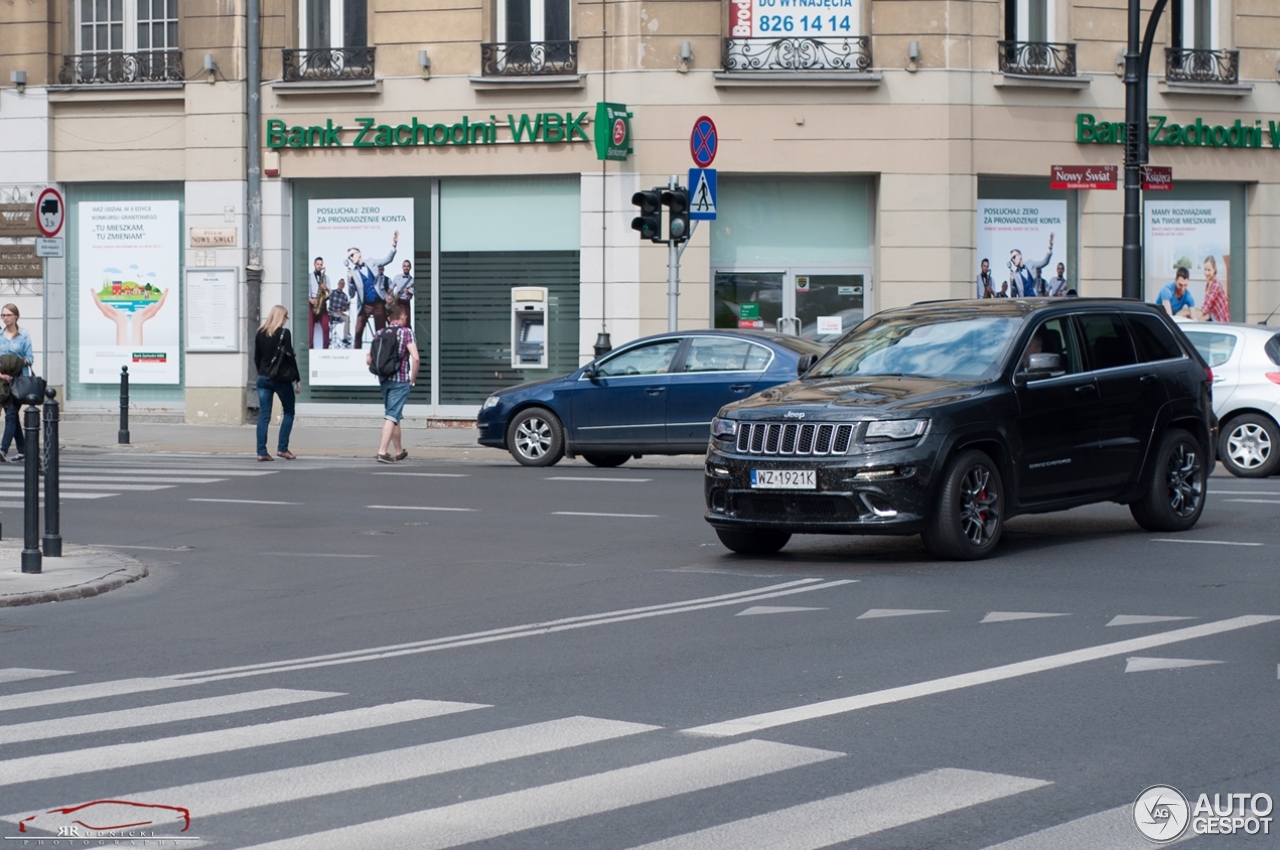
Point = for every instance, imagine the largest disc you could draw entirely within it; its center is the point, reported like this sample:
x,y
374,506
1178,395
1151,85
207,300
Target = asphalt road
x,y
340,654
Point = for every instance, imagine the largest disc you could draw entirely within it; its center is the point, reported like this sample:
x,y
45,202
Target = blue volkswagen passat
x,y
655,395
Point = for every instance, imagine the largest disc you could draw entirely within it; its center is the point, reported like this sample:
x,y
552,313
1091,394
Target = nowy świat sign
x,y
542,128
1163,132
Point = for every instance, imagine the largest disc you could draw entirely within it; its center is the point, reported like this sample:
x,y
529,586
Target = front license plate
x,y
784,479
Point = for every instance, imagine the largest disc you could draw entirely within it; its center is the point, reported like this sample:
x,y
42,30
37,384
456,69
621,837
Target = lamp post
x,y
1137,61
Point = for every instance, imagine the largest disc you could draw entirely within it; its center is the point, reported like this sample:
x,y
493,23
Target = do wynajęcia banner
x,y
1022,246
1195,237
130,291
359,262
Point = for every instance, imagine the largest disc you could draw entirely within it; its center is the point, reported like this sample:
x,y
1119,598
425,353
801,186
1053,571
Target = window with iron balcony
x,y
122,42
1194,55
796,38
1028,48
533,39
333,43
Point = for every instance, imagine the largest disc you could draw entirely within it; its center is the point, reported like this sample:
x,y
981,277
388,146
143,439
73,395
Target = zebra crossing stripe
x,y
1109,830
18,674
73,762
504,814
18,494
92,690
156,714
222,796
848,816
149,470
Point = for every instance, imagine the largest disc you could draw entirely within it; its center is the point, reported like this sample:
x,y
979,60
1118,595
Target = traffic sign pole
x,y
673,274
50,213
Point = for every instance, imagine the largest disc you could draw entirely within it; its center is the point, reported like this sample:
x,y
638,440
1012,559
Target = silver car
x,y
1245,360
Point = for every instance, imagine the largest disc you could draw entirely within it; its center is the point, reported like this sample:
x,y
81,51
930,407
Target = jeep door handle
x,y
1149,379
1086,388
654,390
739,388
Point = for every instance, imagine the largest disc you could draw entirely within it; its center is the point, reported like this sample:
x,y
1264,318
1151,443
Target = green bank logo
x,y
1163,132
546,128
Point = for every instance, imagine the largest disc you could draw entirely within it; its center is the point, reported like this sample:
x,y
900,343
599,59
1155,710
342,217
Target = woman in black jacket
x,y
277,369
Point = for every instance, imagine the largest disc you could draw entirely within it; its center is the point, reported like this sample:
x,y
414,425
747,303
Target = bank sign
x,y
1163,132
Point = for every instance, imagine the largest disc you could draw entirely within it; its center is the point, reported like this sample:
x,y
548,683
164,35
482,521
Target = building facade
x,y
872,153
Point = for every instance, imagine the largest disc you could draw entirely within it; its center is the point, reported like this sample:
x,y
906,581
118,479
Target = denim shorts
x,y
394,395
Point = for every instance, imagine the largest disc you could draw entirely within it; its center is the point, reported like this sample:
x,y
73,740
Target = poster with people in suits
x,y
1187,245
1020,246
359,262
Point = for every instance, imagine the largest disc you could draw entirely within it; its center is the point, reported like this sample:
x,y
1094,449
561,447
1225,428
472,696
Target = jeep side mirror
x,y
805,363
1041,366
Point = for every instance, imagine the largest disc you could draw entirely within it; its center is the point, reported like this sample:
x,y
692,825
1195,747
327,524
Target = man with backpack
x,y
393,357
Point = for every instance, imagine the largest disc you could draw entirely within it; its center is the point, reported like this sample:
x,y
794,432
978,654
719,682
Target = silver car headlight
x,y
489,402
897,429
724,427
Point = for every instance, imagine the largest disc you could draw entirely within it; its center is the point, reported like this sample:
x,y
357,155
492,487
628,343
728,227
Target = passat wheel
x,y
606,461
752,541
535,437
1250,446
1173,494
969,517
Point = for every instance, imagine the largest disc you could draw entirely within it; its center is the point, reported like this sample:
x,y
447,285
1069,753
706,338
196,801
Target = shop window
x,y
125,41
333,41
534,37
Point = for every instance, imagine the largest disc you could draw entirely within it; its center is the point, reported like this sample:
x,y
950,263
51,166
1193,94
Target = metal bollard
x,y
31,557
123,439
52,543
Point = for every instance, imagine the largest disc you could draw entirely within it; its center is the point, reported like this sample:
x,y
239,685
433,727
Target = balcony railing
x,y
529,58
1183,65
797,54
148,66
1038,58
328,64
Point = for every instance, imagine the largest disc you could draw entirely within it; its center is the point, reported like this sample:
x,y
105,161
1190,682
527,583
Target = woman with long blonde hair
x,y
277,367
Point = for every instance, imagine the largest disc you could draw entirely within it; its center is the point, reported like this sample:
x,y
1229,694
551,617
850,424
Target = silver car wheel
x,y
533,437
1249,445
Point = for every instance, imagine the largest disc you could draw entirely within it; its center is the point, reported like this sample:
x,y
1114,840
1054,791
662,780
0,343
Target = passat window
x,y
950,348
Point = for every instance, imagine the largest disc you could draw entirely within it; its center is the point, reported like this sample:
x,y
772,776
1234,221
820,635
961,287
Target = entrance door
x,y
827,304
748,299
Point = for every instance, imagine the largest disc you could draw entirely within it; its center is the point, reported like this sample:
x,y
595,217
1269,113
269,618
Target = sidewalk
x,y
82,571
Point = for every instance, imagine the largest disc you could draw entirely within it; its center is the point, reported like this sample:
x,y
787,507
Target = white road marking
x,y
593,478
428,474
18,674
245,501
153,715
1141,665
1243,492
1206,542
74,762
315,555
590,513
826,708
558,802
1141,619
417,508
876,613
822,823
68,484
1109,830
63,494
772,609
1256,501
140,479
159,470
1009,616
237,793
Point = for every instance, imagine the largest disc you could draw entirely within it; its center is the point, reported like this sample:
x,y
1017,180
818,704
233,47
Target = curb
x,y
116,578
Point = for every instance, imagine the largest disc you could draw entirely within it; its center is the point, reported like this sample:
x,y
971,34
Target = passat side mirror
x,y
590,371
805,363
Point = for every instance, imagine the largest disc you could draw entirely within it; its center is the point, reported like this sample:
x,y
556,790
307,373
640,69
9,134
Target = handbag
x,y
283,365
28,389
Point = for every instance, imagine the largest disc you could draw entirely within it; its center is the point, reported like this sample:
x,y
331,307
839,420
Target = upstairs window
x,y
533,20
127,26
1195,24
1028,20
333,24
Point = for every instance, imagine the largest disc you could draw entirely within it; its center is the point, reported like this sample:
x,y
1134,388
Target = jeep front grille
x,y
793,438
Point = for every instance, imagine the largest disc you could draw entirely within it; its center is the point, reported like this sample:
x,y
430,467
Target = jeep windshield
x,y
959,347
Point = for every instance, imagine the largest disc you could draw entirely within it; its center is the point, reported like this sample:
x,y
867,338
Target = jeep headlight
x,y
897,429
724,427
489,402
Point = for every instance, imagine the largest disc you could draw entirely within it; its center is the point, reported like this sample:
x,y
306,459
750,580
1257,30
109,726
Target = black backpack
x,y
385,354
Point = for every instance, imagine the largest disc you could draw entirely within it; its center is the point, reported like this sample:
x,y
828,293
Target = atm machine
x,y
529,327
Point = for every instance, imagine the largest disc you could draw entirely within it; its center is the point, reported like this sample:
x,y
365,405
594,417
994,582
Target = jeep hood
x,y
853,398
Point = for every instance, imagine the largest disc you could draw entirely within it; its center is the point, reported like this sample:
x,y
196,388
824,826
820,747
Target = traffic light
x,y
677,202
649,222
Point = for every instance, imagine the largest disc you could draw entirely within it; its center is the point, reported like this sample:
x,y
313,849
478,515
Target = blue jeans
x,y
284,389
13,428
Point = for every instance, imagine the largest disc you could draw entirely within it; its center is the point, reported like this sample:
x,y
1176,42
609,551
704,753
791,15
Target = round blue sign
x,y
703,142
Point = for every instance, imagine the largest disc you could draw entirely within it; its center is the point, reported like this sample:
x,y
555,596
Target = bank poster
x,y
1022,249
130,291
1194,236
359,261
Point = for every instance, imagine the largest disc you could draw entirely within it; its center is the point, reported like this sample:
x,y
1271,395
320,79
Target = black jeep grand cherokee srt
x,y
945,419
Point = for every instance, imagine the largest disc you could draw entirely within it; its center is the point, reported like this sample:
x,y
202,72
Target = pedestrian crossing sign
x,y
702,194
